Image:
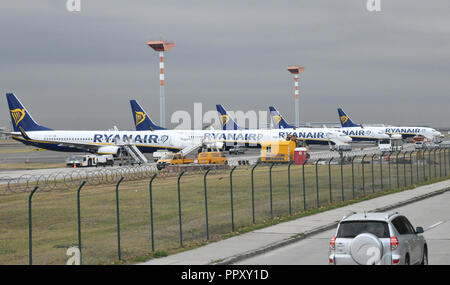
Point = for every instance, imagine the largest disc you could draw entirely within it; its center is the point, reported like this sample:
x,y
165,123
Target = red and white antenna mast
x,y
161,46
296,70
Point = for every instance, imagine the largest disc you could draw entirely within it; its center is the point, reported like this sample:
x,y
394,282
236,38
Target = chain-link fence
x,y
151,213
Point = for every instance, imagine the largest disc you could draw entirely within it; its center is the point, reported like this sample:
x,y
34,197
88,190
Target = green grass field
x,y
55,212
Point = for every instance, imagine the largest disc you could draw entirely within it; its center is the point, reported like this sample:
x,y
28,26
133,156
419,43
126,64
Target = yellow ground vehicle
x,y
278,151
172,159
214,157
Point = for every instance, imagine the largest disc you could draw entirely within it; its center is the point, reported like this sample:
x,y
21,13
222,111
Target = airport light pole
x,y
161,46
296,70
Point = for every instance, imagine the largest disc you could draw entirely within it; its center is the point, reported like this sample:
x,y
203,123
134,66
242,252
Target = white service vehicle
x,y
157,155
388,145
89,160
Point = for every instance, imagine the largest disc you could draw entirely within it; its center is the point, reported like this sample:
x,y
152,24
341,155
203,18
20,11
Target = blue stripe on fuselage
x,y
57,147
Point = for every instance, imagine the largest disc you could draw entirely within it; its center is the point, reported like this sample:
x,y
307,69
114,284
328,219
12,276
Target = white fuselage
x,y
150,141
390,131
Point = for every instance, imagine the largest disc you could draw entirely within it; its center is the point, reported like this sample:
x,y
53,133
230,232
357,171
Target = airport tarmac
x,y
28,153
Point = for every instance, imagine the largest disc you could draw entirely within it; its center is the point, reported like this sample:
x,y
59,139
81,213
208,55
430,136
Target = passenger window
x,y
400,226
408,226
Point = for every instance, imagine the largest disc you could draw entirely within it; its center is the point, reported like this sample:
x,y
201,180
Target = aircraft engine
x,y
213,144
114,150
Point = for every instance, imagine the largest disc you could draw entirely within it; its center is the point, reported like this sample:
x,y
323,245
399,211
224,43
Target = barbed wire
x,y
64,180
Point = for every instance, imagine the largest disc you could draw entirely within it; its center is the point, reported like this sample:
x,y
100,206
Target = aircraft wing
x,y
81,146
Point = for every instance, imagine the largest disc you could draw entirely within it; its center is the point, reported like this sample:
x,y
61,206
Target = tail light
x,y
333,243
394,243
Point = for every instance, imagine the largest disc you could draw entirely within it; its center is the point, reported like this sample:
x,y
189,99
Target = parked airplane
x,y
357,133
307,135
26,130
392,131
232,134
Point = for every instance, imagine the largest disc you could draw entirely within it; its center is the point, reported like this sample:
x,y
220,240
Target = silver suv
x,y
377,238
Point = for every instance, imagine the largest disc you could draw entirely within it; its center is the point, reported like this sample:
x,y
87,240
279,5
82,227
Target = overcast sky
x,y
78,70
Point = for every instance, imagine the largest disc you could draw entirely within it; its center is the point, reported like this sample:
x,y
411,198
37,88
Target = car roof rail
x,y
349,214
391,214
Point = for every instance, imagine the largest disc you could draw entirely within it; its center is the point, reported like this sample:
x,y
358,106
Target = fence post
x,y
30,227
179,209
424,170
150,190
342,178
417,167
329,179
381,170
411,166
445,162
373,175
79,221
206,203
440,162
304,186
363,176
270,177
317,184
231,198
396,162
448,158
353,178
434,162
253,193
429,163
404,167
389,170
118,217
289,187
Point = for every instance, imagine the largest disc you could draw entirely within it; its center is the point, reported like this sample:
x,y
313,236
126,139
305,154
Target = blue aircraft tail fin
x,y
141,120
227,122
345,120
278,120
20,117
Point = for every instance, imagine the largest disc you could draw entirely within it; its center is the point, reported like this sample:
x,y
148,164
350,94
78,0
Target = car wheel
x,y
425,256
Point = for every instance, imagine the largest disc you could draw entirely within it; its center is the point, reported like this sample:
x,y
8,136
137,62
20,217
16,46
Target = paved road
x,y
432,213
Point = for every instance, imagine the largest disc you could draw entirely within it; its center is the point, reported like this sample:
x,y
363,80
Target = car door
x,y
405,239
416,241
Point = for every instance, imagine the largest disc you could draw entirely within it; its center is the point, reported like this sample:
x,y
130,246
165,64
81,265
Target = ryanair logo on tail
x,y
276,119
140,117
344,119
18,115
224,119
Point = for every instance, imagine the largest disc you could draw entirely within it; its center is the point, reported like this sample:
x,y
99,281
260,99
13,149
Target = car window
x,y
403,227
408,225
351,229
